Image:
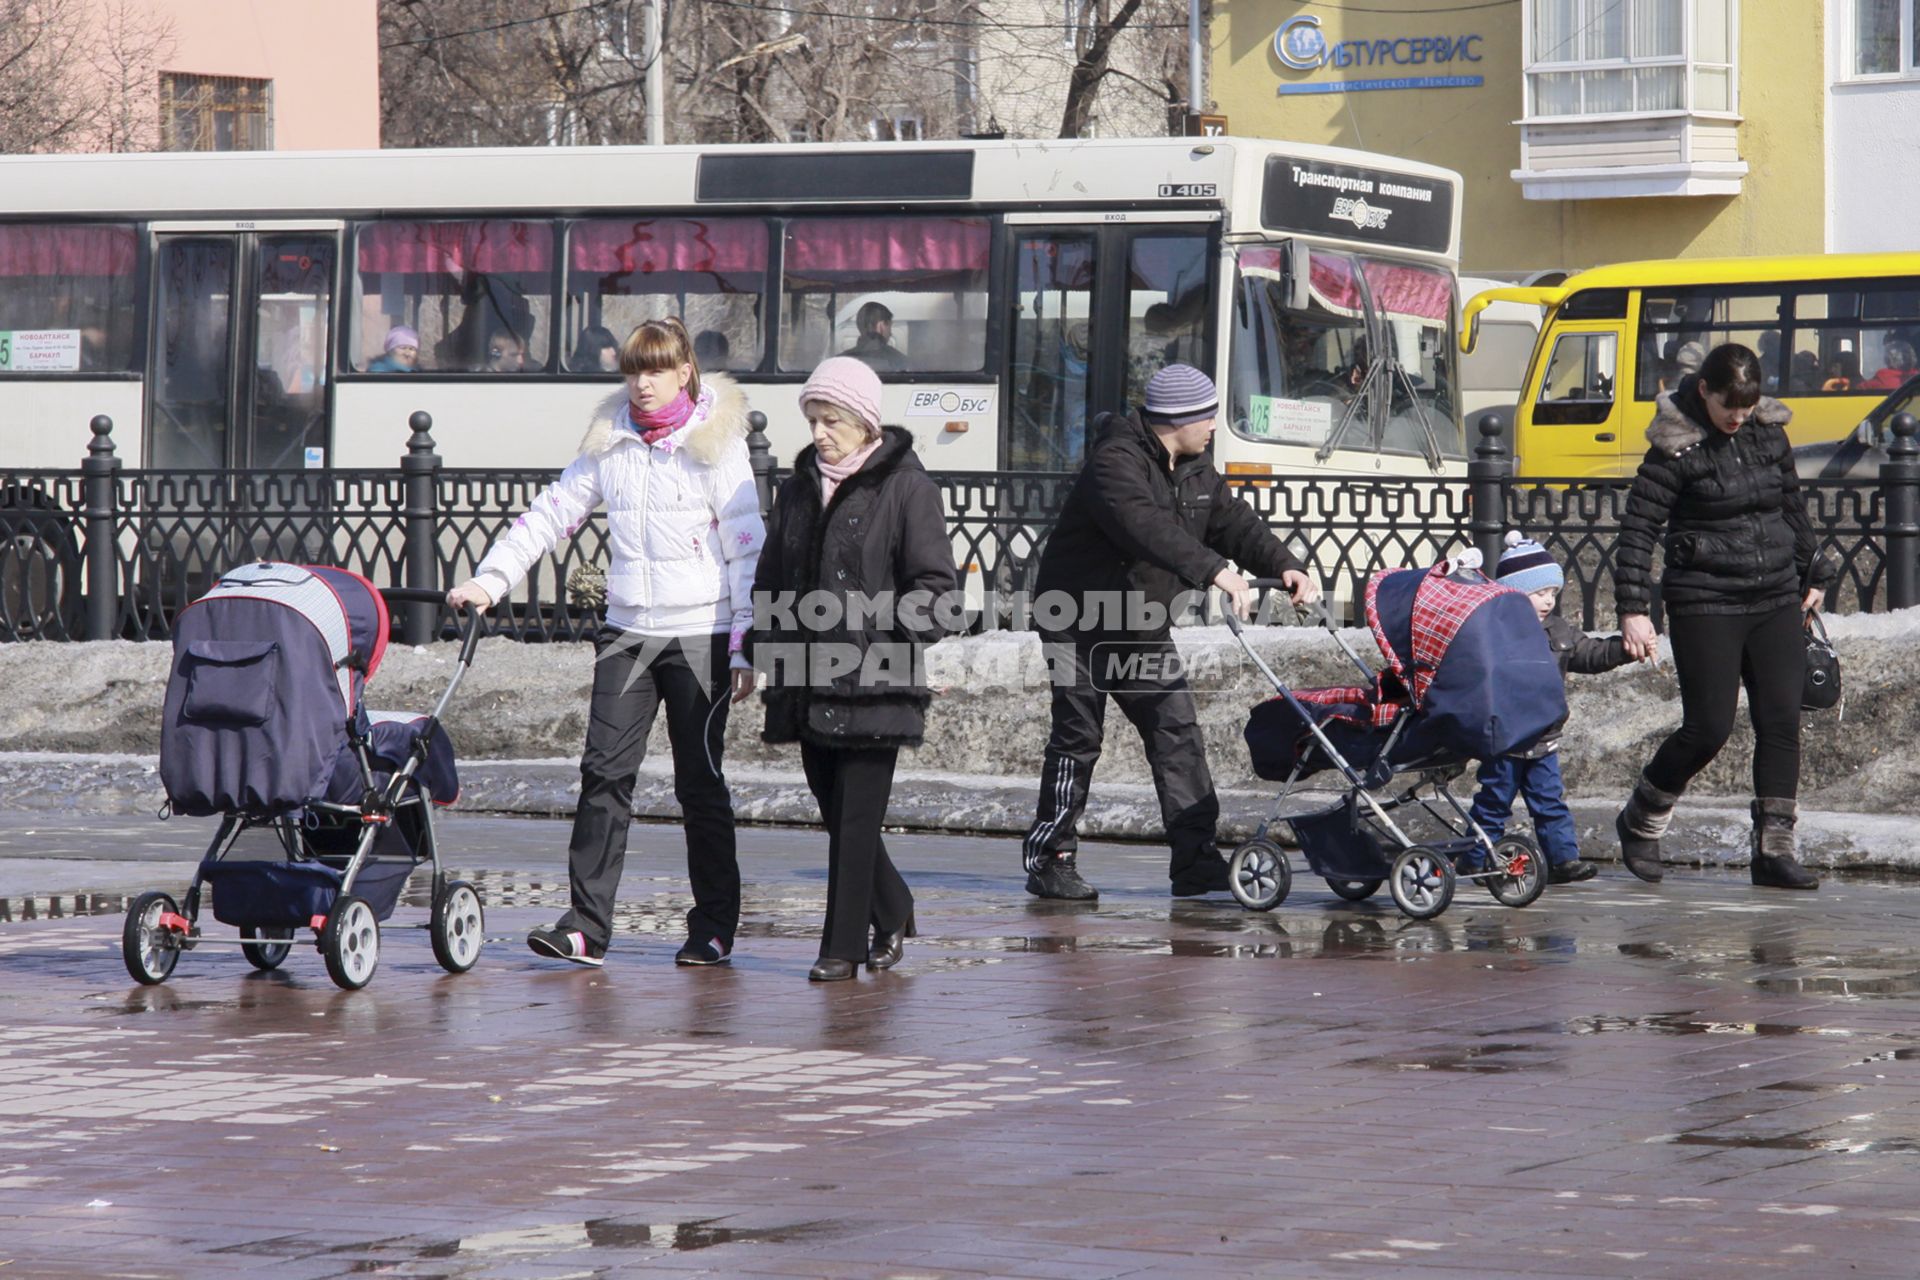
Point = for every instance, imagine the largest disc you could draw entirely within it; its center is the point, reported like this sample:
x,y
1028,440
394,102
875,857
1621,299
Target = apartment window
x,y
1886,37
215,113
1631,57
904,127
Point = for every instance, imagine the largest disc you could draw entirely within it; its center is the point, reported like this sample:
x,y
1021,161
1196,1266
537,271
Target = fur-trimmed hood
x,y
1675,429
719,418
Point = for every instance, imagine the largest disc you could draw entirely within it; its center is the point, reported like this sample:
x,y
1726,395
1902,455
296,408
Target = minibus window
x,y
906,295
1678,327
1578,388
471,297
711,272
1595,304
66,298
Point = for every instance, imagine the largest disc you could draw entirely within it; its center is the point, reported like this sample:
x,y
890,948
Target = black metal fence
x,y
106,552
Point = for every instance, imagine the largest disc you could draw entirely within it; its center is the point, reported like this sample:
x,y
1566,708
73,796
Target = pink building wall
x,y
323,57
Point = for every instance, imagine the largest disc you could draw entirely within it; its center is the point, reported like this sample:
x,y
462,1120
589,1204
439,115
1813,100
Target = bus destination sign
x,y
1369,205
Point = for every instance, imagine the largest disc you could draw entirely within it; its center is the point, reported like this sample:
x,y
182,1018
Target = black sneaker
x,y
1060,878
566,944
1209,875
1571,872
709,951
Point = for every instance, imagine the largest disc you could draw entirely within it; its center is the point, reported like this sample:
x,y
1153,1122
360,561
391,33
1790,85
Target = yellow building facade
x,y
1586,133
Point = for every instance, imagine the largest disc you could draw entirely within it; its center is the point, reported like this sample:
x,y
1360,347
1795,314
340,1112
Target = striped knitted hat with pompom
x,y
1527,566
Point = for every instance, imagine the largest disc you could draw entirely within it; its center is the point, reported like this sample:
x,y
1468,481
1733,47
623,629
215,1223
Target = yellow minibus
x,y
1835,333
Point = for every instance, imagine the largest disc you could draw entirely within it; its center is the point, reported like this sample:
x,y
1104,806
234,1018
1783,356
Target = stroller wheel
x,y
149,949
1525,877
351,942
270,949
1421,882
459,927
1355,890
1259,875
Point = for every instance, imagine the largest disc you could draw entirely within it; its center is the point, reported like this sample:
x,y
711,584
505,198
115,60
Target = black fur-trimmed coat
x,y
884,534
1727,509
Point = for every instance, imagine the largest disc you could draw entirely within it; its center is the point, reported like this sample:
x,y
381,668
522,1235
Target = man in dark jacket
x,y
1148,519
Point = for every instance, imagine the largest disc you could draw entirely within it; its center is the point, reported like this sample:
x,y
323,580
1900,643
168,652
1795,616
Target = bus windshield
x,y
1355,357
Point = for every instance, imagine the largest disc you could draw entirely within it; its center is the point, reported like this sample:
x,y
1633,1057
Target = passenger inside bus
x,y
1900,365
506,352
711,350
596,351
400,352
874,347
1843,372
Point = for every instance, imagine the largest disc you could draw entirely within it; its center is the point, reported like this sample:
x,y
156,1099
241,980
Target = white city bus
x,y
231,310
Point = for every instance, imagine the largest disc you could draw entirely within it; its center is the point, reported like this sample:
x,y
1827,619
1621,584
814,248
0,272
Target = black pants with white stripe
x,y
1144,678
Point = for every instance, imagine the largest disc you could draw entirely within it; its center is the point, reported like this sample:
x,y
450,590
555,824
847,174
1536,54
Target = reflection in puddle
x,y
1687,1024
1797,1142
615,1233
1489,1057
59,906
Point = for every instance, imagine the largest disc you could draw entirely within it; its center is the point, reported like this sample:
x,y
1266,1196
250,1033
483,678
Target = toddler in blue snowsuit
x,y
1534,774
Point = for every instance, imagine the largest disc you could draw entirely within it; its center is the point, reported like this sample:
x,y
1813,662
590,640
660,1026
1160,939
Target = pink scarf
x,y
834,474
662,422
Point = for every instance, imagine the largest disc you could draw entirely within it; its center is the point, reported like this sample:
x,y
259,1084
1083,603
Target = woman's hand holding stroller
x,y
469,595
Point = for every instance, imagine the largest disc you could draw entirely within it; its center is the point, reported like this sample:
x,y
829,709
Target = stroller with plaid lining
x,y
264,728
1468,676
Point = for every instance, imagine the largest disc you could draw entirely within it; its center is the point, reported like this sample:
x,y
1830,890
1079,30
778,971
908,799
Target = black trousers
x,y
633,676
1144,678
1713,656
864,889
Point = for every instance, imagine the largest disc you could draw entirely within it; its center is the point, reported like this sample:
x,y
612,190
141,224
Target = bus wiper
x,y
1354,405
1426,423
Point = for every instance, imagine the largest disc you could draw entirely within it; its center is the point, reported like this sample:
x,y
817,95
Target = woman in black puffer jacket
x,y
856,579
1742,571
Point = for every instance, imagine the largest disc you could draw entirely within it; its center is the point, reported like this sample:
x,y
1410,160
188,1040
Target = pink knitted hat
x,y
849,383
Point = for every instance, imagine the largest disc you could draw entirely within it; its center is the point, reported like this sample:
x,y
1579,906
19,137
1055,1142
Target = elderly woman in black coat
x,y
856,579
1743,569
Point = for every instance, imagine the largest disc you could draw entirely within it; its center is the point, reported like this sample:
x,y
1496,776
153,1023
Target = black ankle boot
x,y
1641,825
1774,866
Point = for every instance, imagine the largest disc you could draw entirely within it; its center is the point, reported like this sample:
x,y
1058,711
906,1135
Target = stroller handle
x,y
469,624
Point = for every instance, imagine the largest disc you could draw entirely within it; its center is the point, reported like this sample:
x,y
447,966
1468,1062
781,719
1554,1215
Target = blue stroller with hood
x,y
265,729
1468,676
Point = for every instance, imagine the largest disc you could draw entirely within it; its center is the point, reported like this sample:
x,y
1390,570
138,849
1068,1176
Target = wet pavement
x,y
1701,1079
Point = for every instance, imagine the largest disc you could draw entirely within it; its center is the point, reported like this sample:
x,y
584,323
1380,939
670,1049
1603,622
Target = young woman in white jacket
x,y
668,457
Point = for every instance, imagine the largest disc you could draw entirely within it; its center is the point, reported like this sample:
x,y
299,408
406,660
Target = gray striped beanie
x,y
1527,566
1180,394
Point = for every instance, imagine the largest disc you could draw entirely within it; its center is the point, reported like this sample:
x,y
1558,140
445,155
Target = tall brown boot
x,y
1774,866
1641,825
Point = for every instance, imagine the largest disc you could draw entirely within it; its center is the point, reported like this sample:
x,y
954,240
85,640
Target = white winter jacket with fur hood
x,y
683,518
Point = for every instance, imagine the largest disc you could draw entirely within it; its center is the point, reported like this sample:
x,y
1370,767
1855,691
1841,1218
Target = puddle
x,y
1687,1024
614,1233
60,906
1492,1057
1796,1142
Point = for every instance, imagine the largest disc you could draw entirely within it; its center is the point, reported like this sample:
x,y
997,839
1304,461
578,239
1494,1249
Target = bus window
x,y
477,294
1679,326
711,272
1295,376
1415,307
1051,353
1578,387
1166,306
903,294
67,298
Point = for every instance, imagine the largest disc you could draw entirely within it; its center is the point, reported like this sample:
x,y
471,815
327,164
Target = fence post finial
x,y
760,458
420,473
101,469
1488,473
1900,483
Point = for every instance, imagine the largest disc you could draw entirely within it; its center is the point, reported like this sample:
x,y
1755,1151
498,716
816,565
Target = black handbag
x,y
1822,689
